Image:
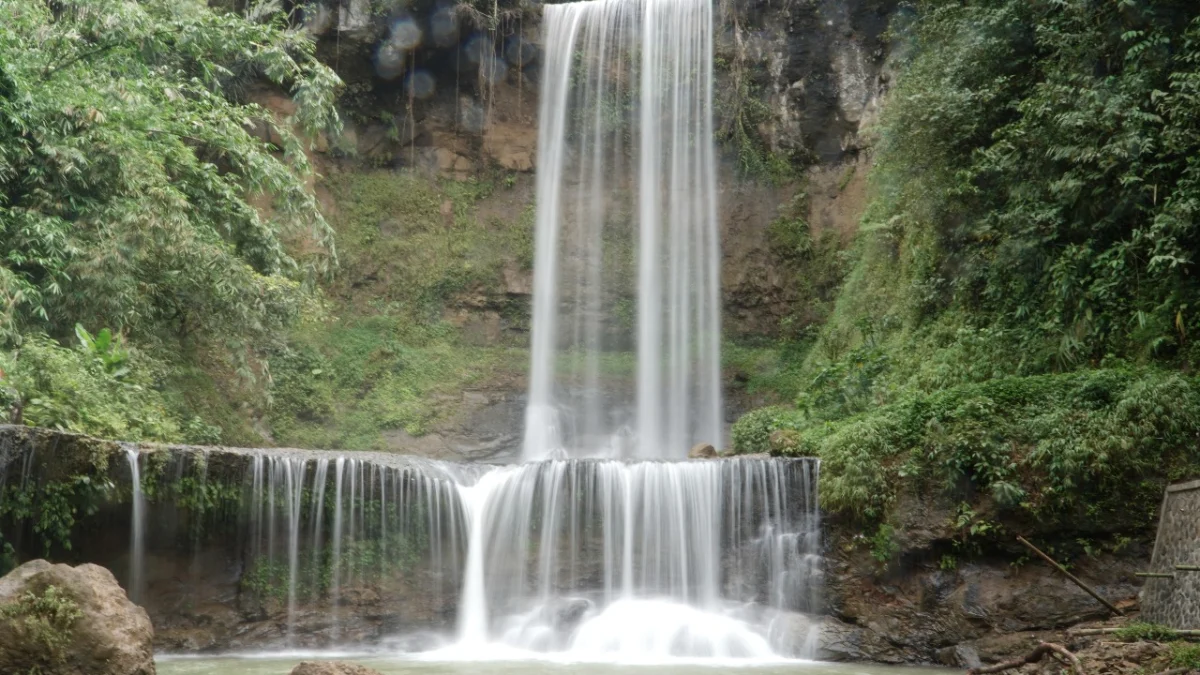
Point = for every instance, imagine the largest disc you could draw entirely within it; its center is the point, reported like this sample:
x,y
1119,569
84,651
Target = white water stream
x,y
627,251
137,528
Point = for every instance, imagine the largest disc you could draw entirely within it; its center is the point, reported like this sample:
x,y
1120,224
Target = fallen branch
x,y
1111,630
1087,589
1042,650
1174,671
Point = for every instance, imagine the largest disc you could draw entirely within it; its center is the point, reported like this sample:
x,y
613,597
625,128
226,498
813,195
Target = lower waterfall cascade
x,y
580,559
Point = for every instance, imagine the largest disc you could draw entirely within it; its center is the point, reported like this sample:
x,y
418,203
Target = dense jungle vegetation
x,y
1018,324
147,235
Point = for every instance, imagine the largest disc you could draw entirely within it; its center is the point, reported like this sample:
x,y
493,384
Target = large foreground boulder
x,y
332,668
63,620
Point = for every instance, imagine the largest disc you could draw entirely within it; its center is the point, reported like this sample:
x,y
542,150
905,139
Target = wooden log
x,y
1154,575
1174,671
1087,589
1042,650
1188,568
1114,629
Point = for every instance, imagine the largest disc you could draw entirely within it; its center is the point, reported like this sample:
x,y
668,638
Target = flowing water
x,y
137,528
627,251
583,559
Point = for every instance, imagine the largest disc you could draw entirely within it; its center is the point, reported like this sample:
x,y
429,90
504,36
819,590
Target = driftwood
x,y
1059,652
1113,629
1087,589
1174,671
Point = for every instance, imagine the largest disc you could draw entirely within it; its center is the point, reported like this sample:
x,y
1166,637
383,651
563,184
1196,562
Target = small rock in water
x,y
568,614
332,668
702,451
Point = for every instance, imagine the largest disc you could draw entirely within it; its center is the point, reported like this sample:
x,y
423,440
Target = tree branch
x,y
1042,650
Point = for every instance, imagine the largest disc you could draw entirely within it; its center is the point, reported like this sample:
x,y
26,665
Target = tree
x,y
133,194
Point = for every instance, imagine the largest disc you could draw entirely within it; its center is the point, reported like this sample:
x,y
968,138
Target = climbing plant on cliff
x,y
1038,173
133,194
1023,289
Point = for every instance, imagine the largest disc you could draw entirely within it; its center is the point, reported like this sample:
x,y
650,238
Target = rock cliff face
x,y
453,91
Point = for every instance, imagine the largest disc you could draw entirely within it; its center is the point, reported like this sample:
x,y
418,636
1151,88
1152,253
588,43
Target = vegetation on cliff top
x,y
1019,318
134,197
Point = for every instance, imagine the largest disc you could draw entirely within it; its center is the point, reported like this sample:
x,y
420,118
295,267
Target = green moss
x,y
420,243
382,356
344,384
1142,630
46,620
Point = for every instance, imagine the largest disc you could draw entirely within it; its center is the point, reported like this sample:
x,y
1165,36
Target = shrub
x,y
752,432
1101,442
1184,655
48,385
45,620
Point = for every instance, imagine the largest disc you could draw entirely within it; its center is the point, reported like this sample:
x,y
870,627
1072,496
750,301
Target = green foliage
x,y
133,193
44,620
1099,444
1041,152
1020,297
741,112
111,354
883,543
109,391
1185,655
1141,630
752,432
53,508
814,259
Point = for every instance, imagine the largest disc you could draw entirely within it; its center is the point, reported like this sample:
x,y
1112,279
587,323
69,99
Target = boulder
x,y
332,668
702,451
841,641
63,620
959,656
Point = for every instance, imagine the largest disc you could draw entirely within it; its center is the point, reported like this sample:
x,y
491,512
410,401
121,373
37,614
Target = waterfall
x,y
626,192
137,528
579,550
596,559
649,559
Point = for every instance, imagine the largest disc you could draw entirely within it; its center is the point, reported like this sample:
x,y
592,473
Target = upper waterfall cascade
x,y
626,210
